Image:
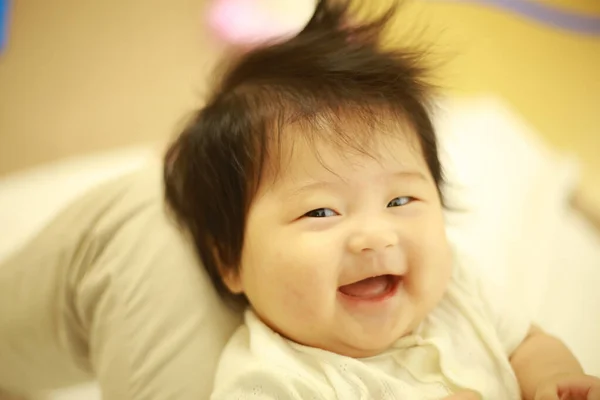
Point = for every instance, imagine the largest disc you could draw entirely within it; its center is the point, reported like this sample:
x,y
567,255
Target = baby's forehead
x,y
323,158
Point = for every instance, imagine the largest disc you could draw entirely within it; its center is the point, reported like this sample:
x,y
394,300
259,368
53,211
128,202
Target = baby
x,y
310,184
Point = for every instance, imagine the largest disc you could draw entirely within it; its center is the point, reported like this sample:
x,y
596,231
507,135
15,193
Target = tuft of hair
x,y
333,73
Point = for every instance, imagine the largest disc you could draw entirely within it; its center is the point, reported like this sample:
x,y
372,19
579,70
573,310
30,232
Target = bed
x,y
520,224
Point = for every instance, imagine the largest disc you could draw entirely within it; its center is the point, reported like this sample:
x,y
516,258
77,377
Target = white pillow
x,y
28,200
513,189
31,198
518,225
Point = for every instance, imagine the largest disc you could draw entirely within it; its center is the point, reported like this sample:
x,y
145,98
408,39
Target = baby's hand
x,y
465,395
569,387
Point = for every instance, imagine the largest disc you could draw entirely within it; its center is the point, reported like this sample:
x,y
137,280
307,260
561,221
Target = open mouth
x,y
372,289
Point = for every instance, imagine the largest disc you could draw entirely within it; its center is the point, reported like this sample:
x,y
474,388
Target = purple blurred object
x,y
586,24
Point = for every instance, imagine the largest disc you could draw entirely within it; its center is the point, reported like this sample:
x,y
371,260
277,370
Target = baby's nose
x,y
372,241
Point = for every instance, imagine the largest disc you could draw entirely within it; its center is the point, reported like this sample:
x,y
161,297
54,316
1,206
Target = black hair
x,y
332,72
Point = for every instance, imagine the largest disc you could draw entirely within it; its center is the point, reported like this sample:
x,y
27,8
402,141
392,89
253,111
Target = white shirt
x,y
464,343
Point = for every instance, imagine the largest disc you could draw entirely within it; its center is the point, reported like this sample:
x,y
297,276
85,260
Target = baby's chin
x,y
354,347
360,350
371,344
355,337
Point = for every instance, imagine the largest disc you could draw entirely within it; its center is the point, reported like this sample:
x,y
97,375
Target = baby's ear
x,y
232,279
230,275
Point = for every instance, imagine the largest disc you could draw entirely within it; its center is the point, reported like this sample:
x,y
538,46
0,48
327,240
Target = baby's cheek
x,y
430,267
304,285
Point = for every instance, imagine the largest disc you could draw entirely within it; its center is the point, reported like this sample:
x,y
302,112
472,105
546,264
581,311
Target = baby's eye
x,y
400,201
321,213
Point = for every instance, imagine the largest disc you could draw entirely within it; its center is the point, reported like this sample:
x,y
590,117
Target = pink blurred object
x,y
248,22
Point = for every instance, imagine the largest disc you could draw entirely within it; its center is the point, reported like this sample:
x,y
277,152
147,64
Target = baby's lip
x,y
363,277
371,289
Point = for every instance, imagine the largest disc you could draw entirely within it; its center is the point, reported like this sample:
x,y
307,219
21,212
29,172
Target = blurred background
x,y
81,76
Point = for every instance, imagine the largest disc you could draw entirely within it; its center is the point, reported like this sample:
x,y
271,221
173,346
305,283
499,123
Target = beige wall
x,y
86,75
548,75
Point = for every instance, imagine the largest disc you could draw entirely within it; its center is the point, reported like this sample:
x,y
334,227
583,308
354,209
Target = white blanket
x,y
561,287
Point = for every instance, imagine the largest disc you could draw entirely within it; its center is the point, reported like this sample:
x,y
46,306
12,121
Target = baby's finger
x,y
465,395
594,393
548,393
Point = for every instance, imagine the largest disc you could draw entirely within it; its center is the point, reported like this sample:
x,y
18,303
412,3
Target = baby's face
x,y
320,231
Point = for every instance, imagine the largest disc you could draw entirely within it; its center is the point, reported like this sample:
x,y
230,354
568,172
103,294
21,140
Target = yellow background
x,y
549,75
82,76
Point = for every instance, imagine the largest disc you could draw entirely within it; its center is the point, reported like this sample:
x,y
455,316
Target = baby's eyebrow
x,y
409,175
305,188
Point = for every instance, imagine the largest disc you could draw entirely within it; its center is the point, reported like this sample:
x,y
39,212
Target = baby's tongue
x,y
367,288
